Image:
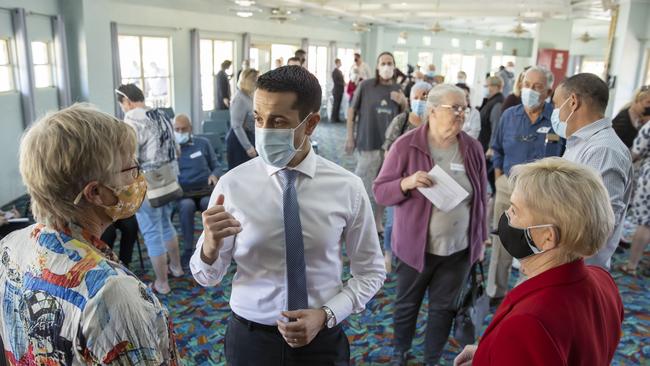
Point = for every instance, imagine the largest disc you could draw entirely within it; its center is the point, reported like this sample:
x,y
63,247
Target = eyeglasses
x,y
457,109
527,138
645,88
134,171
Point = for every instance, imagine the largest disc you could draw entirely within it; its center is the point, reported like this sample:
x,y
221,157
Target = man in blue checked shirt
x,y
199,172
524,134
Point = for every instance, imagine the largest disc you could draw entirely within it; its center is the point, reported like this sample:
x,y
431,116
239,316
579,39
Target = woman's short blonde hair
x,y
570,196
64,151
641,94
248,81
494,81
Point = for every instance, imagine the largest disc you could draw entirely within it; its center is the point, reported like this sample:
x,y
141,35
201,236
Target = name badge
x,y
552,137
457,167
196,155
543,129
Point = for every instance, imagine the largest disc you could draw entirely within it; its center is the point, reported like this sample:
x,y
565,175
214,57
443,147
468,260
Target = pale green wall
x,y
88,35
39,29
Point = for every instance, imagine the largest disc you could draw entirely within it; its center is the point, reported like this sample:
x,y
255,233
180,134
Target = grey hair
x,y
420,85
439,92
548,75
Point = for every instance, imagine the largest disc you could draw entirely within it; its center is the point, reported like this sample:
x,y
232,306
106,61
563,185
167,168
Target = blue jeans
x,y
156,227
186,209
388,229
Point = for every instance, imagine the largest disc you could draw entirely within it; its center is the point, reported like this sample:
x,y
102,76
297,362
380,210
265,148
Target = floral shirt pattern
x,y
67,300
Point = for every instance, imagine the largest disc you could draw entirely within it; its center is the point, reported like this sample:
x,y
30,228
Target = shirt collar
x,y
307,166
546,112
591,129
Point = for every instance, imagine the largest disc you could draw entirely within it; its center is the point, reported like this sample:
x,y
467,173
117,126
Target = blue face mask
x,y
419,107
182,137
275,146
529,98
560,126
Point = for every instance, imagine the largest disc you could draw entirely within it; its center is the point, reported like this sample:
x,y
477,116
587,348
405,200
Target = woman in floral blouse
x,y
67,300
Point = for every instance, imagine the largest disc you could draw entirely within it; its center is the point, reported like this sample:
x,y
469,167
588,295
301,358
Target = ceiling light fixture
x,y
245,3
245,14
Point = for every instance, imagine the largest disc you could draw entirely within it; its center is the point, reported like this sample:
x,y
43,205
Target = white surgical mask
x,y
275,146
386,71
182,137
529,98
560,126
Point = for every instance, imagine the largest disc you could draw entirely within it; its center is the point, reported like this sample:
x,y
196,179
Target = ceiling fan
x,y
281,15
519,29
437,28
586,37
360,27
357,26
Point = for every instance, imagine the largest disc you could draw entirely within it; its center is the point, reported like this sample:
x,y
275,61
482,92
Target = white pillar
x,y
627,61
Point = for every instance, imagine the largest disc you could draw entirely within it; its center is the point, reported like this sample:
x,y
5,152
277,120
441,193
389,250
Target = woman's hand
x,y
466,356
418,179
251,152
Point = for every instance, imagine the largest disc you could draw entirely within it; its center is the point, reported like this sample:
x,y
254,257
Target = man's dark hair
x,y
294,79
299,53
357,55
463,86
337,60
589,87
377,77
131,91
226,65
296,59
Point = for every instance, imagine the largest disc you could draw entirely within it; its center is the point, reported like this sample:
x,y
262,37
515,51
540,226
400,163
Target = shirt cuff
x,y
341,306
206,274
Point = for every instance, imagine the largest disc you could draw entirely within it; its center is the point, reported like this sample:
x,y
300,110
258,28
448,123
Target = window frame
x,y
214,66
313,64
10,66
142,78
49,64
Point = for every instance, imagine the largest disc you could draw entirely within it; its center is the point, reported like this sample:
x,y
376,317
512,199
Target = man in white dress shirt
x,y
283,217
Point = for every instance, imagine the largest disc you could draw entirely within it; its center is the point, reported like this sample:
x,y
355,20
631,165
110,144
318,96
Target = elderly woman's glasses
x,y
457,109
134,171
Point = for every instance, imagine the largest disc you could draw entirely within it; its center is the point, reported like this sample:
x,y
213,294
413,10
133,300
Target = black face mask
x,y
516,241
647,111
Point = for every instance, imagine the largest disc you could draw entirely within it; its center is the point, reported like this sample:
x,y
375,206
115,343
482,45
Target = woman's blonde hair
x,y
64,151
570,196
516,90
248,81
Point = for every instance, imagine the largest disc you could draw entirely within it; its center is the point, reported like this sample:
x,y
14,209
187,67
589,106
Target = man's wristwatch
x,y
330,321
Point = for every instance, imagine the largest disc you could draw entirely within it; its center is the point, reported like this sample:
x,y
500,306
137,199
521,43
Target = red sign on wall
x,y
555,60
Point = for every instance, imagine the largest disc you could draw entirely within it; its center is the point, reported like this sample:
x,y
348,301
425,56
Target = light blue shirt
x,y
597,146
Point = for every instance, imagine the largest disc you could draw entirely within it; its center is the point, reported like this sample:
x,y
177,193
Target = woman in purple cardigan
x,y
434,249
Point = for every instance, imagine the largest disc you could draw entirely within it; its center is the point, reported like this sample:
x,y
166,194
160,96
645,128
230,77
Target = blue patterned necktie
x,y
295,251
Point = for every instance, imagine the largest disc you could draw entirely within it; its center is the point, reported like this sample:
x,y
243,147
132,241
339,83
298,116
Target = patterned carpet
x,y
200,314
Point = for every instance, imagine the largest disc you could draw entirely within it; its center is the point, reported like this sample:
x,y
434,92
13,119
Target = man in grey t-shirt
x,y
376,102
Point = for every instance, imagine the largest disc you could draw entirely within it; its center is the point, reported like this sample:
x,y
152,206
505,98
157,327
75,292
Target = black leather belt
x,y
253,325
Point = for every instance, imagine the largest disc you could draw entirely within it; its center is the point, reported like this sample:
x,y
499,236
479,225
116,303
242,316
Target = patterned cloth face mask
x,y
129,199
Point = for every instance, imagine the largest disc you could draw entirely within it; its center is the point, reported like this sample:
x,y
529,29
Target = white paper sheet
x,y
17,220
446,193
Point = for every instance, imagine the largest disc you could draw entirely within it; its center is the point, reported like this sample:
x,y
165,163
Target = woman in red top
x,y
566,313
